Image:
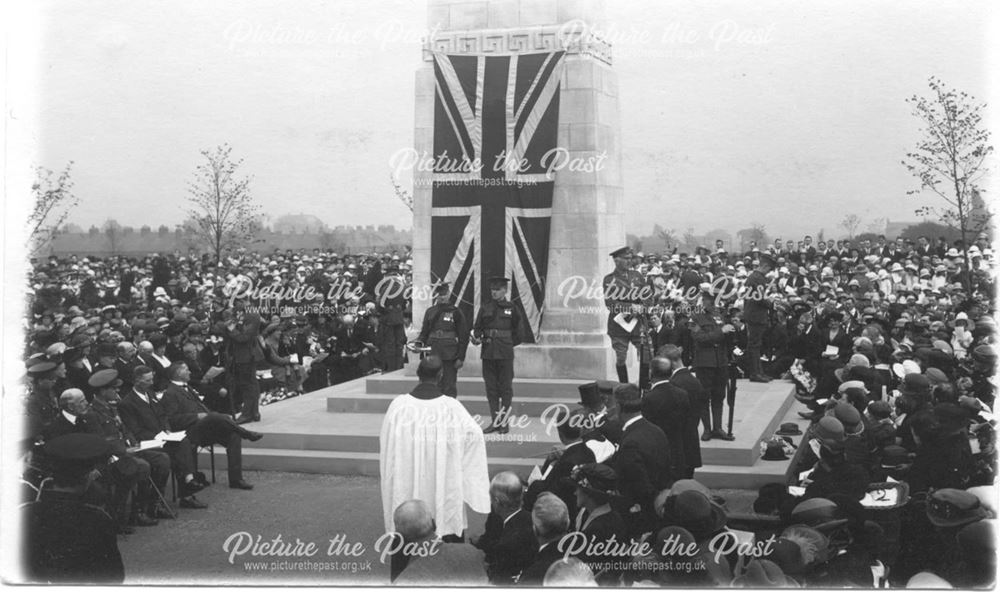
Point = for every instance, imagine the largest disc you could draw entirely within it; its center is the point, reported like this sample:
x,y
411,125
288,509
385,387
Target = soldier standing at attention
x,y
446,331
711,334
623,289
498,327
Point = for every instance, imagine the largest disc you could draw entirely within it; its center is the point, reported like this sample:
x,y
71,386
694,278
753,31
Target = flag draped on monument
x,y
495,131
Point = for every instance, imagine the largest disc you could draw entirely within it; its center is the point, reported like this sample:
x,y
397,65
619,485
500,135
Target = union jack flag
x,y
498,116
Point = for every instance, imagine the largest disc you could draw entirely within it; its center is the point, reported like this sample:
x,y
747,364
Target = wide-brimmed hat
x,y
895,456
596,479
697,513
954,507
774,450
915,385
788,429
819,513
830,432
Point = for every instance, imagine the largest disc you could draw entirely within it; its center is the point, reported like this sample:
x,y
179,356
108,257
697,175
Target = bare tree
x,y
223,213
878,225
690,240
54,199
113,231
668,236
949,157
403,195
850,223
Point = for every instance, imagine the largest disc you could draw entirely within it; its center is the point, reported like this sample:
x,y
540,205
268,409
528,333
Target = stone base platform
x,y
335,430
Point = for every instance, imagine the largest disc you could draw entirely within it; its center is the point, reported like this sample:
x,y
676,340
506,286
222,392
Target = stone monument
x,y
586,223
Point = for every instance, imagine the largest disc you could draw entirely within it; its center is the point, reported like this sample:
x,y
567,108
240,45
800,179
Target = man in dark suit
x,y
351,352
185,411
508,541
550,521
643,461
215,391
144,417
682,377
122,469
669,408
125,363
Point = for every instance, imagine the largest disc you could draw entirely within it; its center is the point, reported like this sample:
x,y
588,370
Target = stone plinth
x,y
587,213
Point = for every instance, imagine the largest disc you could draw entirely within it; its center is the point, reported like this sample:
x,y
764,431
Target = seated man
x,y
185,411
122,470
144,417
448,564
104,414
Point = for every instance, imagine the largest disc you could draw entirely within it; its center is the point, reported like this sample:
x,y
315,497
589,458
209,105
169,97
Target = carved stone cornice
x,y
574,37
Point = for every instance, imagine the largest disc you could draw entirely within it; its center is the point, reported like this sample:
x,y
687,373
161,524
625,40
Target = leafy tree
x,y
224,214
54,199
931,230
949,158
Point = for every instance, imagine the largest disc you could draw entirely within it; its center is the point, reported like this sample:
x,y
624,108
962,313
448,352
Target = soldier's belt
x,y
444,335
499,333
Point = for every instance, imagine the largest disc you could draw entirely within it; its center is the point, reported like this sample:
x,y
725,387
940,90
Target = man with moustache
x,y
622,295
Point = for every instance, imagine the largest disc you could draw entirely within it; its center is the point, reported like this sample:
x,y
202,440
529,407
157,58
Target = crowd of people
x,y
891,350
891,347
133,365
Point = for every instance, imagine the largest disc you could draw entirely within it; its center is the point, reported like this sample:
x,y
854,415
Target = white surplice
x,y
432,450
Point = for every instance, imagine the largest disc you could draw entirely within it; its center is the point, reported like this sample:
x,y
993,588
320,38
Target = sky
x,y
787,114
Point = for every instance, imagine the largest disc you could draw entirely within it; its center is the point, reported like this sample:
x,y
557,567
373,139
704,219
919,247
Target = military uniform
x,y
756,313
622,289
391,303
107,423
446,331
711,362
498,326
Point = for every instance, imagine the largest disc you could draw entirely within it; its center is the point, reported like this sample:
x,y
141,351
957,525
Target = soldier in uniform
x,y
711,359
623,289
498,328
146,507
756,313
391,303
446,331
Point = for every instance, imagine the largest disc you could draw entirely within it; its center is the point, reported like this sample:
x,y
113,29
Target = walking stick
x,y
731,395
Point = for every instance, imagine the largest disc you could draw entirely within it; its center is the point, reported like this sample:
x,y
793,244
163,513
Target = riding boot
x,y
622,373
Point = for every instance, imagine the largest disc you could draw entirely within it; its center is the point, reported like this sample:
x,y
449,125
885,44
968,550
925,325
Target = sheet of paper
x,y
213,372
147,445
796,490
171,436
627,325
832,350
880,498
293,359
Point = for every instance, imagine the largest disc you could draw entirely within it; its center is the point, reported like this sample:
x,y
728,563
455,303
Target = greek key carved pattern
x,y
573,40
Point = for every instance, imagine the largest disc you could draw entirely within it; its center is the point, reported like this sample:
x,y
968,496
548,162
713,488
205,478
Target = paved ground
x,y
301,508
